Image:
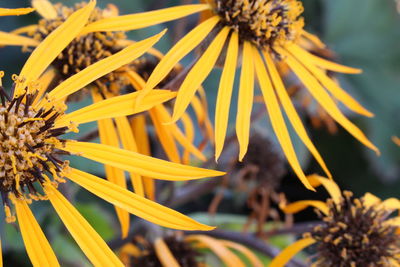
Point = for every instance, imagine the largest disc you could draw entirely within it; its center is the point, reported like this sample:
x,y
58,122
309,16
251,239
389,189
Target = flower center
x,y
84,50
355,235
263,22
28,142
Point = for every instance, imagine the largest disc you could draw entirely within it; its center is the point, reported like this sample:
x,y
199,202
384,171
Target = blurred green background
x,y
363,34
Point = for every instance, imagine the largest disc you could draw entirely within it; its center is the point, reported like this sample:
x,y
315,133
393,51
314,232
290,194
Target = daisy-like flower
x,y
31,129
89,48
354,231
257,34
179,250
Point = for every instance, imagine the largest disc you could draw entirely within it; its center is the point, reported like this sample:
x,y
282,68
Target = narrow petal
x,y
390,204
45,9
25,29
17,11
103,67
144,19
314,39
135,162
330,186
394,222
138,124
199,73
108,136
290,110
325,100
129,143
164,136
87,238
178,51
225,93
303,204
12,39
135,204
44,83
370,200
52,46
323,63
116,107
227,256
245,99
177,133
328,83
277,120
289,252
164,254
189,134
36,244
255,262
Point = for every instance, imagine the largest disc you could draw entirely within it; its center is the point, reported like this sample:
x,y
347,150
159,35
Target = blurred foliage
x,y
363,33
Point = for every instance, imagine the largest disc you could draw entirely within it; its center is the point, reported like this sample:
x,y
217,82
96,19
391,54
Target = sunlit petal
x,y
289,252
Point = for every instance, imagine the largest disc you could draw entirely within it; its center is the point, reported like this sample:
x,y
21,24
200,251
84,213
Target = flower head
x,y
31,127
353,231
264,33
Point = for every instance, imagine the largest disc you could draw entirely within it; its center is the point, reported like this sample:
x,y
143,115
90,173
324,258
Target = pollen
x,y
354,235
263,22
28,146
84,50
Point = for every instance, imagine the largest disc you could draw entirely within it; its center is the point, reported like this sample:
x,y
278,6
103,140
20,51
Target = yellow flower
x,y
89,48
260,33
354,232
179,250
31,127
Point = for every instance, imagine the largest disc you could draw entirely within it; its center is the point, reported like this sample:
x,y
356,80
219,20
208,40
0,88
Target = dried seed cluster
x,y
28,141
263,22
354,235
181,250
84,50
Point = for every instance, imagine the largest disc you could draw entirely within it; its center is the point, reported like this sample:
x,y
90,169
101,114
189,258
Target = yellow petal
x,y
44,83
144,19
103,67
25,29
370,200
36,244
390,204
177,133
135,204
225,93
255,262
325,100
129,143
87,238
138,124
189,134
277,120
135,162
327,82
178,51
291,111
288,253
207,122
164,254
303,204
245,99
116,107
227,256
314,39
10,39
165,136
325,64
198,74
394,222
109,136
52,46
330,186
17,11
45,9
